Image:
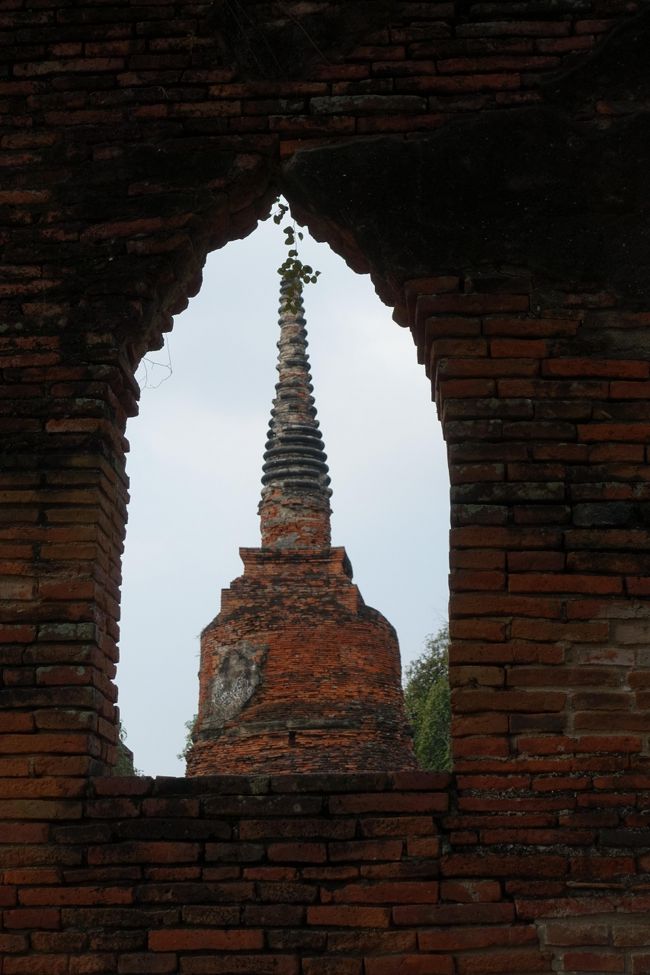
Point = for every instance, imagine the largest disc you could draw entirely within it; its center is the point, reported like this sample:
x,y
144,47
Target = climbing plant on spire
x,y
294,273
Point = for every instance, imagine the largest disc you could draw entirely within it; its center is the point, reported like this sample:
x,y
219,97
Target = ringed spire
x,y
295,477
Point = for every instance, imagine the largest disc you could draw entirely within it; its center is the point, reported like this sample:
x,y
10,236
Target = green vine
x,y
293,271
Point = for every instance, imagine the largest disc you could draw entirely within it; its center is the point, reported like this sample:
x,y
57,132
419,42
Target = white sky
x,y
196,461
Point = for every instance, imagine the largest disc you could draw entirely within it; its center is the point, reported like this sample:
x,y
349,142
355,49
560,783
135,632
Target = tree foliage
x,y
428,703
189,738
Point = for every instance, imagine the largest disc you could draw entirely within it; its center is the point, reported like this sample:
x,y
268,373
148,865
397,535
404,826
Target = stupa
x,y
297,674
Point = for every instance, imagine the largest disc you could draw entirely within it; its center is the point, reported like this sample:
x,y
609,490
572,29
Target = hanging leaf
x,y
294,273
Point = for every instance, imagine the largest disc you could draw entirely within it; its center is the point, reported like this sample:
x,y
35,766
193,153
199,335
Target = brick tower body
x,y
297,674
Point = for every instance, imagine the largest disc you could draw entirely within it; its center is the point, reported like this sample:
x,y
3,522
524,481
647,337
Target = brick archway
x,y
516,249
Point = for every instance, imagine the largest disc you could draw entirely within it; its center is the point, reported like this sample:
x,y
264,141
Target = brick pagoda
x,y
297,673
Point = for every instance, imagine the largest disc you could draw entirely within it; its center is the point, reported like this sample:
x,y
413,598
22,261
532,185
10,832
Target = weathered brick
x,y
594,961
268,964
514,959
335,829
356,850
332,966
470,891
413,803
197,939
411,965
348,916
300,852
452,914
146,964
421,892
32,918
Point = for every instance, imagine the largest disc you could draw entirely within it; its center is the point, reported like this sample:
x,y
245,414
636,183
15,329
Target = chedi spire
x,y
297,674
295,507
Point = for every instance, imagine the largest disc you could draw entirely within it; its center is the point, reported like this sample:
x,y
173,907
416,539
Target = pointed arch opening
x,y
195,468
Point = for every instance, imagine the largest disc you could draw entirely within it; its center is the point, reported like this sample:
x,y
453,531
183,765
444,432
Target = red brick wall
x,y
132,143
547,442
319,875
135,137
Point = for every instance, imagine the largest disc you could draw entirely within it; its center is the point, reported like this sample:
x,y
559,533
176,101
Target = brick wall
x,y
136,137
544,408
319,875
133,141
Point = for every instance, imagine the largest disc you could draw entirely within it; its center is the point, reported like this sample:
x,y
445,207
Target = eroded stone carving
x,y
238,675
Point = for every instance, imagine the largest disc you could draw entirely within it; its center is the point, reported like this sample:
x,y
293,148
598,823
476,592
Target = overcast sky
x,y
195,468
